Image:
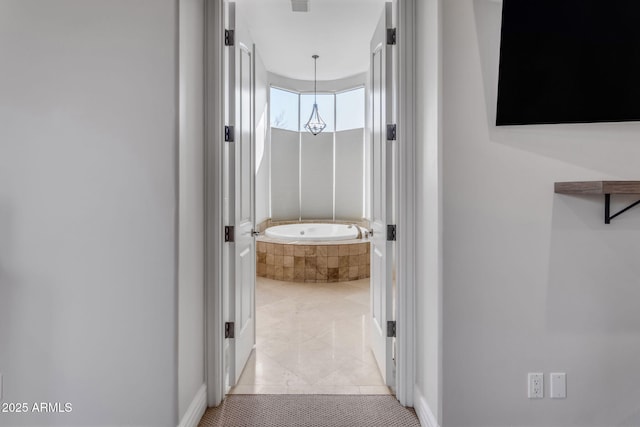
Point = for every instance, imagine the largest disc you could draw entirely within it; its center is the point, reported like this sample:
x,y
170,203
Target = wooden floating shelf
x,y
598,187
606,188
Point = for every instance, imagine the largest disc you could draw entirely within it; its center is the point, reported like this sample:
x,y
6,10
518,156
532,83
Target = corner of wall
x,y
423,410
196,409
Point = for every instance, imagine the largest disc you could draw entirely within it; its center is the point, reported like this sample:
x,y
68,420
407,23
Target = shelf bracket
x,y
607,209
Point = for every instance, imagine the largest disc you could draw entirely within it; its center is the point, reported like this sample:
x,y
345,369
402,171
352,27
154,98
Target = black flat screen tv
x,y
569,61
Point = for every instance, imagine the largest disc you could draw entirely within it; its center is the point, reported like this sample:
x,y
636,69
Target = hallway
x,y
312,338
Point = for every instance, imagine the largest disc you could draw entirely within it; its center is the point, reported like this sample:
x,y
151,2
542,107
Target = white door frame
x,y
406,207
405,190
214,226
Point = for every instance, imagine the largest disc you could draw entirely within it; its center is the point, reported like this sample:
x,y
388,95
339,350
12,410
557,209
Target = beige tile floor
x,y
312,338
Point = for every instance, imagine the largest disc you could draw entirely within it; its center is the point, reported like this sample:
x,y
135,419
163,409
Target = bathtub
x,y
313,252
314,232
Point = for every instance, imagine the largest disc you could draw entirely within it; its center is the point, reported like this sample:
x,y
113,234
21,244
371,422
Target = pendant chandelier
x,y
315,125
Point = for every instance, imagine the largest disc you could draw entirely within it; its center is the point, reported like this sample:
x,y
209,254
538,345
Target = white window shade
x,y
349,174
285,161
317,176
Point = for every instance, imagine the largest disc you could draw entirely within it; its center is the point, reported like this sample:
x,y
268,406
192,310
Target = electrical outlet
x,y
558,385
536,386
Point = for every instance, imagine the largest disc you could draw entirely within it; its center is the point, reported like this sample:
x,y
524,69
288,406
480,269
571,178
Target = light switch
x,y
558,382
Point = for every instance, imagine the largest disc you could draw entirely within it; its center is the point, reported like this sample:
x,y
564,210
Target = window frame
x,y
335,94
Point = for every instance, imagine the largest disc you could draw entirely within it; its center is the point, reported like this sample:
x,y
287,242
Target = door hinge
x,y
391,329
229,330
229,233
229,37
391,233
228,134
391,132
391,36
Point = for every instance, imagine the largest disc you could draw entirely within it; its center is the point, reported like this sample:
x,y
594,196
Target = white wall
x,y
88,204
338,85
191,205
428,202
533,281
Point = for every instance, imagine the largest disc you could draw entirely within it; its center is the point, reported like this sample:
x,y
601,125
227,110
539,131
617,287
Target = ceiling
x,y
338,30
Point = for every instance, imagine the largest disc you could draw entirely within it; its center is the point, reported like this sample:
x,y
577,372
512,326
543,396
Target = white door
x,y
241,196
381,114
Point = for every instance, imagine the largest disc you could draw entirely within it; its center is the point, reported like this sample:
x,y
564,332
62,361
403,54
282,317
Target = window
x,y
321,176
350,109
284,109
291,110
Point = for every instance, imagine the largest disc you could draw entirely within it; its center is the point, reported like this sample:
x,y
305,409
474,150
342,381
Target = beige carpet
x,y
289,410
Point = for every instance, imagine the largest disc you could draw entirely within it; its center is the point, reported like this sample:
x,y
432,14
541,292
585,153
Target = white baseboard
x,y
196,409
425,415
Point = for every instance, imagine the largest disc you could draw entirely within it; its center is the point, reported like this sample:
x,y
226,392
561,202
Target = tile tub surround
x,y
312,262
